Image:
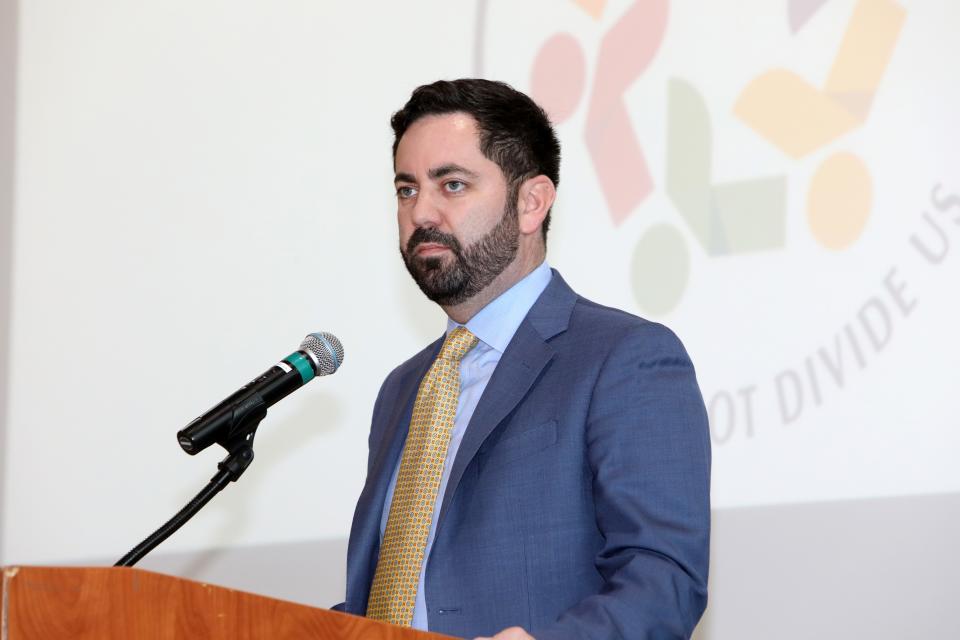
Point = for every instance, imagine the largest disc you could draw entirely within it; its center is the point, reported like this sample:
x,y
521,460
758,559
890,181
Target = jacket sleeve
x,y
648,445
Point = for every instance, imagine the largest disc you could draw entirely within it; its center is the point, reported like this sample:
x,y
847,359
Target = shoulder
x,y
591,332
609,329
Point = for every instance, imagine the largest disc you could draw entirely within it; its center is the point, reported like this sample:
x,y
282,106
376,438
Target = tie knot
x,y
458,343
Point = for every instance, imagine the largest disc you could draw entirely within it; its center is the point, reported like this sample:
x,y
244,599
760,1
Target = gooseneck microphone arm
x,y
233,424
230,469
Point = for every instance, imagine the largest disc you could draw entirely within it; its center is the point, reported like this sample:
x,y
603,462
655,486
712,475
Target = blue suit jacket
x,y
578,504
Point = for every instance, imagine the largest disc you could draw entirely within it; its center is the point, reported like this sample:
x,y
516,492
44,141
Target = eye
x,y
406,191
455,186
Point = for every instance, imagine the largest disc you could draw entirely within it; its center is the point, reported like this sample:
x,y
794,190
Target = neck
x,y
516,271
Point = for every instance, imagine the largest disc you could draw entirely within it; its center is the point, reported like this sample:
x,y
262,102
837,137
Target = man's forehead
x,y
439,144
459,121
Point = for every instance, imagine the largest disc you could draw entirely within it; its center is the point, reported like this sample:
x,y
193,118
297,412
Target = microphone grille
x,y
326,351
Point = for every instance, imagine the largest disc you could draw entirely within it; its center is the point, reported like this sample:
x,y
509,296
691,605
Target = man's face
x,y
458,224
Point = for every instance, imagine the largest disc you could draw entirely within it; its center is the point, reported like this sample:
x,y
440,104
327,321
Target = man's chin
x,y
440,287
429,264
440,278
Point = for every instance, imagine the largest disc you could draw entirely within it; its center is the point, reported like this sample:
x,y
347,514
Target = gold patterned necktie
x,y
394,589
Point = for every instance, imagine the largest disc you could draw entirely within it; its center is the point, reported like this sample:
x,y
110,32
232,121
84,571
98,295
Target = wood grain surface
x,y
49,603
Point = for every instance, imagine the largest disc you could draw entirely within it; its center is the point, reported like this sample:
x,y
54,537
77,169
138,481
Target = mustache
x,y
433,236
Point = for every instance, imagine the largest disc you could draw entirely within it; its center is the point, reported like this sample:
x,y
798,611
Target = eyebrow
x,y
447,169
437,172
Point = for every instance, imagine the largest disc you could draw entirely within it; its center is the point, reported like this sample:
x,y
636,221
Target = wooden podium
x,y
50,603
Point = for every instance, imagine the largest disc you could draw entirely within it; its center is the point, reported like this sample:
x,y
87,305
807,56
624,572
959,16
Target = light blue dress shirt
x,y
494,325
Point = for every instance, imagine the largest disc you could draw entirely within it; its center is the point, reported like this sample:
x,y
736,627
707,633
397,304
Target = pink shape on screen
x,y
625,52
558,76
800,11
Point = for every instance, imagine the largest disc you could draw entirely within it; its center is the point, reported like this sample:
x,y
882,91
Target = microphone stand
x,y
239,445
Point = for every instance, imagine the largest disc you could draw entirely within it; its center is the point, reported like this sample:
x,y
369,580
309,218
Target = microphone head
x,y
325,350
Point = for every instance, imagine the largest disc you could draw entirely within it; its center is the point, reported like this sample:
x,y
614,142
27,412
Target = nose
x,y
426,211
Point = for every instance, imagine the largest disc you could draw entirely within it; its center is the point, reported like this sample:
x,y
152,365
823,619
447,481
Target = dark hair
x,y
515,132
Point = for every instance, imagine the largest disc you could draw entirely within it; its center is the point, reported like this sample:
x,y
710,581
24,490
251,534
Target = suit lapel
x,y
526,356
365,535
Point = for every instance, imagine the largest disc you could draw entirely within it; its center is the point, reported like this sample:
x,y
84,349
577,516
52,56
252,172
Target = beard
x,y
450,280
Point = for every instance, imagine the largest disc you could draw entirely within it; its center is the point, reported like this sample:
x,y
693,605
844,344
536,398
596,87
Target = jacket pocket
x,y
518,443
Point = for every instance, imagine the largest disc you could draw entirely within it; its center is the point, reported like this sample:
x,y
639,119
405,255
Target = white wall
x,y
8,65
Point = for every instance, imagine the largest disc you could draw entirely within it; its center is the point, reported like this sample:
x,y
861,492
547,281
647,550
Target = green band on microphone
x,y
302,364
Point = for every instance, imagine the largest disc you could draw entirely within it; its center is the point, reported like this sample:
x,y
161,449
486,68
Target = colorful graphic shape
x,y
660,269
864,54
558,81
799,118
733,217
730,218
793,114
593,7
625,52
800,11
559,76
839,201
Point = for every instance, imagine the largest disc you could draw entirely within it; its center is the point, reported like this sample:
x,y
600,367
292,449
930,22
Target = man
x,y
543,469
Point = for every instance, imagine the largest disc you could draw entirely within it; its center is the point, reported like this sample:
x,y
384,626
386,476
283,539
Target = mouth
x,y
430,249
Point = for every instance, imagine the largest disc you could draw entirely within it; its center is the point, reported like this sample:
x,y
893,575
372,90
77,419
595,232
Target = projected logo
x,y
625,51
723,217
800,118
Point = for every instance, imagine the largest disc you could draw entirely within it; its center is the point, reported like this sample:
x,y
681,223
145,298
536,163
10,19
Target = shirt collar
x,y
496,323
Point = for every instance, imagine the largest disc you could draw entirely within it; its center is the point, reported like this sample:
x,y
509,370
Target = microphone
x,y
320,354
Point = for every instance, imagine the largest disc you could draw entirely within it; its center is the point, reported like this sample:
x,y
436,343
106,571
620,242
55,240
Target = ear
x,y
534,200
